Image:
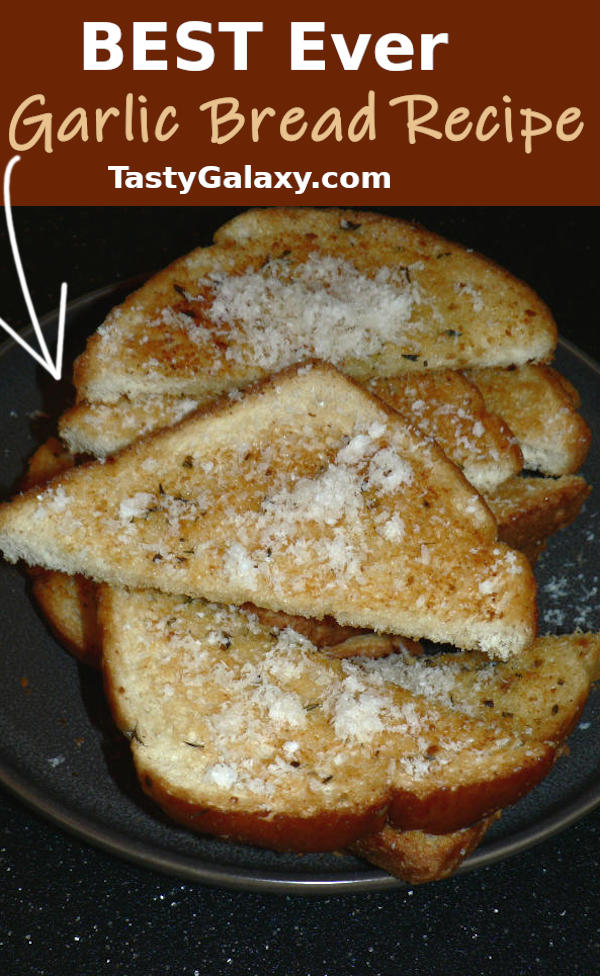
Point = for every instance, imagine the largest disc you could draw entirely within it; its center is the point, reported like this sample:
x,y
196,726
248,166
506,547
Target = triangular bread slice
x,y
529,417
441,403
259,736
242,731
372,295
308,495
528,511
540,407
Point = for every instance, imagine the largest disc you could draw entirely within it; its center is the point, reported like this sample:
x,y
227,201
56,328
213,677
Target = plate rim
x,y
191,867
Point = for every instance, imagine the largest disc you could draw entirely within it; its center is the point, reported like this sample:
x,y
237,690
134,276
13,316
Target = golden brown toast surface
x,y
263,737
540,407
529,510
104,428
441,403
307,496
546,697
372,295
417,857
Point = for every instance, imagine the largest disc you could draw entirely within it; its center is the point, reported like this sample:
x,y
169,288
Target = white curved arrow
x,y
44,358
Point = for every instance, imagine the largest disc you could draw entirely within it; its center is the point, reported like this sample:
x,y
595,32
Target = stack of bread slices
x,y
293,457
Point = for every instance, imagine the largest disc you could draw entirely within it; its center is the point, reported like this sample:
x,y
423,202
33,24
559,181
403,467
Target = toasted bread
x,y
443,406
418,857
104,428
541,691
528,510
473,293
531,509
308,496
540,407
370,294
236,731
67,603
411,853
49,459
529,417
414,855
441,403
547,698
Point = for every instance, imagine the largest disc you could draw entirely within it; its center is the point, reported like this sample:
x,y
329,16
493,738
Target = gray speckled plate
x,y
61,754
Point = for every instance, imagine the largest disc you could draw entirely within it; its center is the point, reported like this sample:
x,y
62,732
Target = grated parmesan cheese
x,y
323,307
393,529
239,566
221,775
388,471
131,508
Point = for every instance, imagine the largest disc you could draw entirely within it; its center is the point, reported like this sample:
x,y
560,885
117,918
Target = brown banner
x,y
318,104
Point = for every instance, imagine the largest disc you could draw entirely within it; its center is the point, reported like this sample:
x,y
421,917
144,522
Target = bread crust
x,y
454,309
442,404
540,406
460,706
529,510
321,832
418,857
423,816
281,438
68,605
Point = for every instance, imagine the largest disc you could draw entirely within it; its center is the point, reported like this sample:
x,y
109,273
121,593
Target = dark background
x,y
68,908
